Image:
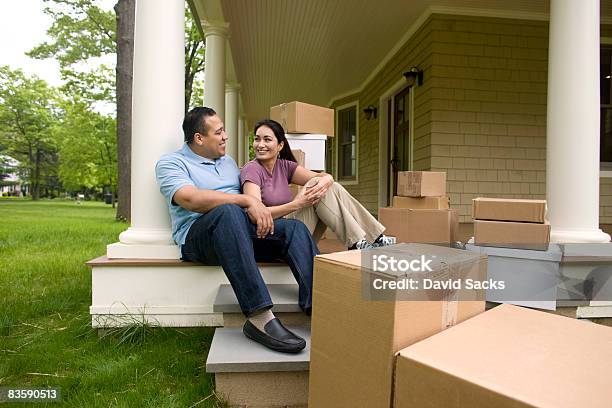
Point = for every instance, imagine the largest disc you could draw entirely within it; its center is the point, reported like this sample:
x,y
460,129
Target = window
x,y
347,143
605,86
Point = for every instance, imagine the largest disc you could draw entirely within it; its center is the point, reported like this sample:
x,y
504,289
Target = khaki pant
x,y
343,214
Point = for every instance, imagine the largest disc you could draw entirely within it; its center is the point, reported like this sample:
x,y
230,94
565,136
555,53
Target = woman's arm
x,y
315,187
278,211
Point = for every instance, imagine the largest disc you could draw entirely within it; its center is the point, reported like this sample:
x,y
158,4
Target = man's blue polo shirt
x,y
186,168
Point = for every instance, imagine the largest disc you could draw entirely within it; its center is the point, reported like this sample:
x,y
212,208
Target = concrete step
x,y
231,351
249,374
284,297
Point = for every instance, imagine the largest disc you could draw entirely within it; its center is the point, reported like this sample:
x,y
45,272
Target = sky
x,y
23,25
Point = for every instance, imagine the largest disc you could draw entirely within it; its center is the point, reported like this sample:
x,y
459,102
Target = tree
x,y
194,62
81,31
125,12
87,148
28,110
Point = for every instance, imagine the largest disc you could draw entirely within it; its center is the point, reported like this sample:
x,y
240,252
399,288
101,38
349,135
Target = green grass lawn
x,y
46,338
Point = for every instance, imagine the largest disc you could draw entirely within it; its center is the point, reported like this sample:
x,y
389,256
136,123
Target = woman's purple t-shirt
x,y
274,188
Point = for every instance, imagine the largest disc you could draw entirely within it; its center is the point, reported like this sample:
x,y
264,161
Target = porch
x,y
480,114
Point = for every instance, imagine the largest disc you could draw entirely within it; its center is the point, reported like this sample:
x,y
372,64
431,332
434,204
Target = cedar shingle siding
x,y
480,114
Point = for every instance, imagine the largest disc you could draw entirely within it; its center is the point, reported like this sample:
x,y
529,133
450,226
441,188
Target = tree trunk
x,y
125,11
36,178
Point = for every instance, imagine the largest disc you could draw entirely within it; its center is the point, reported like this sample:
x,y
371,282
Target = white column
x,y
231,120
572,144
157,113
243,151
214,74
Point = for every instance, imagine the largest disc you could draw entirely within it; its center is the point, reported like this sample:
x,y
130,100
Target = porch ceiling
x,y
315,50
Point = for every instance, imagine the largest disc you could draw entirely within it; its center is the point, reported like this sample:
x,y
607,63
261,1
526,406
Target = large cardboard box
x,y
300,117
500,209
421,183
354,340
509,357
422,203
426,226
522,235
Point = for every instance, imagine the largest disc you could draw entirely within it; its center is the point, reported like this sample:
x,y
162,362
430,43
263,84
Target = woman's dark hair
x,y
194,122
279,132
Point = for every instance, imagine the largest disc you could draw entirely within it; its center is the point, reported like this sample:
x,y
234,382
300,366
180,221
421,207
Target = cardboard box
x,y
522,235
509,357
426,226
421,183
300,117
500,209
354,341
422,203
300,156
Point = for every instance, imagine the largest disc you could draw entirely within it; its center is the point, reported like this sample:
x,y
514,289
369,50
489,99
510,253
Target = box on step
x,y
355,339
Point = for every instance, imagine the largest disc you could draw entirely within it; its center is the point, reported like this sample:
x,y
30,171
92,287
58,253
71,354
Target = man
x,y
215,224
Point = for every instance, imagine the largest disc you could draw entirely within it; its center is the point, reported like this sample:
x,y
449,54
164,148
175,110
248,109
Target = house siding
x,y
489,79
416,51
480,114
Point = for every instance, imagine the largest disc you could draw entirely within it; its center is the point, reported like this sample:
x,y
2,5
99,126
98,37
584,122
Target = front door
x,y
401,159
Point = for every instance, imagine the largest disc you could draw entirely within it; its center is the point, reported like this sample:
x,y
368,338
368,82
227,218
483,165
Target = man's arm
x,y
193,199
278,211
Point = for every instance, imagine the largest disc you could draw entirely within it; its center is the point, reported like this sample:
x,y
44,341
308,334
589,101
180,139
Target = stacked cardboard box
x,y
508,357
300,117
355,339
420,211
510,223
421,183
307,128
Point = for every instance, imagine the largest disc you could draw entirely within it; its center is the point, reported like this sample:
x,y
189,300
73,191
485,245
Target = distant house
x,y
10,182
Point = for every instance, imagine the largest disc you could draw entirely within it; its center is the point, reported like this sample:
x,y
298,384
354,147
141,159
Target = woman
x,y
322,203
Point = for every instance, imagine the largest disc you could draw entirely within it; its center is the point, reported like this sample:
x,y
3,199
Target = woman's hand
x,y
316,187
301,200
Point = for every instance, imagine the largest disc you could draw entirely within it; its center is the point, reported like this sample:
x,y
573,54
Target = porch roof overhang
x,y
317,51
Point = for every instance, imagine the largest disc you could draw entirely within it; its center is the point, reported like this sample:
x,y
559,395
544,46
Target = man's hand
x,y
260,215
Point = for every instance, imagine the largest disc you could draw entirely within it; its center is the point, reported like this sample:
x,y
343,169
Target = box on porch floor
x,y
421,183
422,203
425,226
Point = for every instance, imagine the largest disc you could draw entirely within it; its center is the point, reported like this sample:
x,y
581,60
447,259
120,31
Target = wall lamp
x,y
370,112
414,75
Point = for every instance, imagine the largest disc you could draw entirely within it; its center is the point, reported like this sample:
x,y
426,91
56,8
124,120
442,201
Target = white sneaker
x,y
383,240
363,244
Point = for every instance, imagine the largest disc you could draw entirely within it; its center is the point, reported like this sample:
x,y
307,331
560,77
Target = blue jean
x,y
226,236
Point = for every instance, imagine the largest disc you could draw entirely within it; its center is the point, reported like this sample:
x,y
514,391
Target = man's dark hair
x,y
279,132
195,122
